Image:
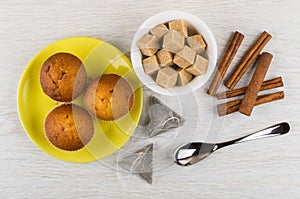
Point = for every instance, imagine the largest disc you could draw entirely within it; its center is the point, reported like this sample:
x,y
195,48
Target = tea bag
x,y
156,118
160,118
140,163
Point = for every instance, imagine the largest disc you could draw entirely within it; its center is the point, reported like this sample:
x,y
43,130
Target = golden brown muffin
x,y
69,127
109,97
63,77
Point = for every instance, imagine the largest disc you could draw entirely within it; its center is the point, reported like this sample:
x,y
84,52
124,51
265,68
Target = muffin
x,y
69,127
63,77
109,97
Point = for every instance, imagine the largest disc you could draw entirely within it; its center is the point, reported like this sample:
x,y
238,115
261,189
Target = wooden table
x,y
262,169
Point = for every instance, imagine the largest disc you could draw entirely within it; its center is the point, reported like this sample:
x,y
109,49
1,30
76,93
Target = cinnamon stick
x,y
225,63
269,84
255,83
248,59
233,106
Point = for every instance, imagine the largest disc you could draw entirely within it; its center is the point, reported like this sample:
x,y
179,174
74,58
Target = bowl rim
x,y
164,17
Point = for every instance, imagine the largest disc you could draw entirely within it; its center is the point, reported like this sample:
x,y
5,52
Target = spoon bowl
x,y
191,153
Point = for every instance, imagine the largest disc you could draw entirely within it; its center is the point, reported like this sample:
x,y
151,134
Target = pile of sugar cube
x,y
171,56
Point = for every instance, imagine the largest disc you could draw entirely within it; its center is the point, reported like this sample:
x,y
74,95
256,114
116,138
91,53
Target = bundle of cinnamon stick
x,y
257,83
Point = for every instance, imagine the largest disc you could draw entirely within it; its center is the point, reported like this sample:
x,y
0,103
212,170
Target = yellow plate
x,y
99,57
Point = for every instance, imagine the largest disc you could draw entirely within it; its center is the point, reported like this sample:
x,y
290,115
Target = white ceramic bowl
x,y
192,21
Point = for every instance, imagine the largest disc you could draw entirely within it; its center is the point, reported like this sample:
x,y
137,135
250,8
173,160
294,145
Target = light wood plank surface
x,y
261,169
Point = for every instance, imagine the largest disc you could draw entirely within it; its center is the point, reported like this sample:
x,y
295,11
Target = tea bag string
x,y
169,119
157,129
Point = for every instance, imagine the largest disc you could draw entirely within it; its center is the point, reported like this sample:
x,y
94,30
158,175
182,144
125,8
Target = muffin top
x,y
69,127
109,97
63,77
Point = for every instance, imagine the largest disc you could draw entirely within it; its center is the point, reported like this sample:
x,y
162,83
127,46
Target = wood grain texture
x,y
262,169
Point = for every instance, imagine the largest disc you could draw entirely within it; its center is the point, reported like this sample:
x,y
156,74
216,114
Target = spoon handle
x,y
277,129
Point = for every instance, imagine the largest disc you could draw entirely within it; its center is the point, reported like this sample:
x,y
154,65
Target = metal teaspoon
x,y
192,153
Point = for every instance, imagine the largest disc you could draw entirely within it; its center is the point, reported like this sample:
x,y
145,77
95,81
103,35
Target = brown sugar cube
x,y
197,43
151,65
199,67
173,41
183,77
159,31
148,44
165,58
180,26
184,57
166,77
